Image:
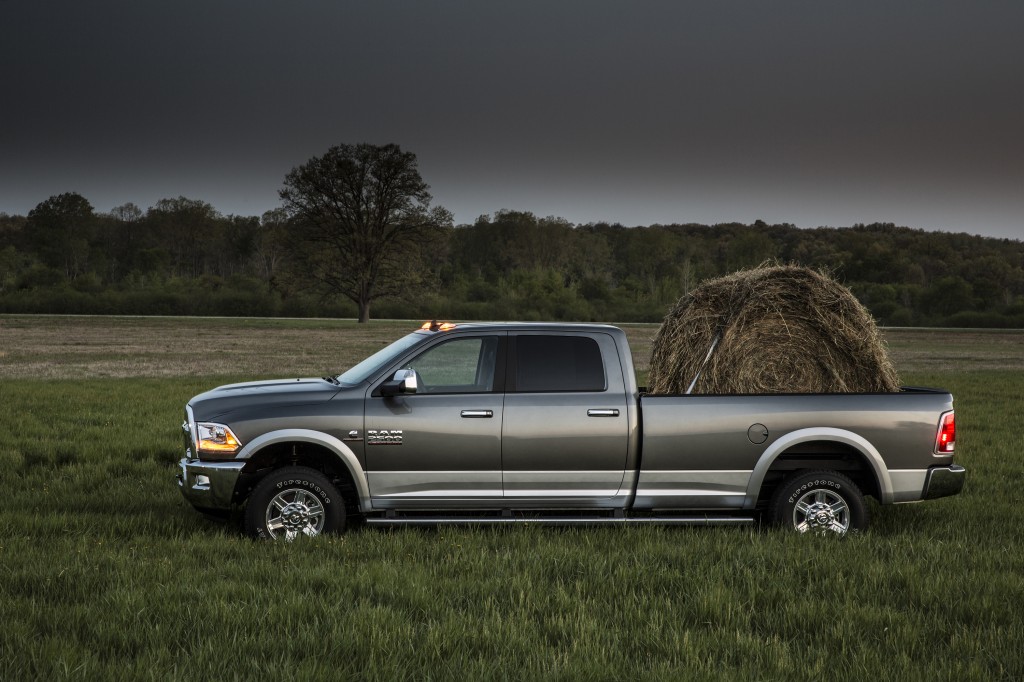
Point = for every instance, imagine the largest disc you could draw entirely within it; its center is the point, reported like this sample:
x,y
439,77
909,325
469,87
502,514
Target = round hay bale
x,y
775,329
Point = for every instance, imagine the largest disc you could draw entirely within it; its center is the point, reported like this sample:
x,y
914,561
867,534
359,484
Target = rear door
x,y
565,430
442,445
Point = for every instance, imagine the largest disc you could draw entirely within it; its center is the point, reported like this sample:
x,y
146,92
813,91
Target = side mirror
x,y
404,381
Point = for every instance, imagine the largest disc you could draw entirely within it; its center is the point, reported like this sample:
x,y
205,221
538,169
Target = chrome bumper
x,y
943,481
208,485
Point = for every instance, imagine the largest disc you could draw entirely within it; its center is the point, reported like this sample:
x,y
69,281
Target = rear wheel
x,y
292,503
820,502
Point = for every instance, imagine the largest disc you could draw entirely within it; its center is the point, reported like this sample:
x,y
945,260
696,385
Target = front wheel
x,y
820,502
292,503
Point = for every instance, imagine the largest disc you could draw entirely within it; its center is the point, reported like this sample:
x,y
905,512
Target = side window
x,y
558,363
457,366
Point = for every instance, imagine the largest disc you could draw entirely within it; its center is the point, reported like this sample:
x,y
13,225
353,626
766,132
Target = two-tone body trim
x,y
574,483
591,488
907,484
417,485
336,446
690,489
794,438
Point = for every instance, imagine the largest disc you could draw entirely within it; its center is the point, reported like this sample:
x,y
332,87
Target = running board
x,y
704,520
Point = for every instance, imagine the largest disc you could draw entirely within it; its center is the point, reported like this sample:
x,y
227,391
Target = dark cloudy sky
x,y
822,112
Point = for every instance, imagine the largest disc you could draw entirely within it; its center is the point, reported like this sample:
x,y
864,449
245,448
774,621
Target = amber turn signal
x,y
216,439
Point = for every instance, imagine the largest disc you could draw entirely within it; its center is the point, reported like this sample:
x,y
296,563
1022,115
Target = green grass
x,y
105,572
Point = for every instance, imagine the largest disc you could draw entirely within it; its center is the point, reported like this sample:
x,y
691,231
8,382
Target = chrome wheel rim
x,y
293,513
821,512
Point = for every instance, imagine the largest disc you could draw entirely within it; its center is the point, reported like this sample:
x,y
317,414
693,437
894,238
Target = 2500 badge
x,y
382,437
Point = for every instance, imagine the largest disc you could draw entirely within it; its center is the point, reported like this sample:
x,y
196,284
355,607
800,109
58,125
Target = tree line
x,y
183,257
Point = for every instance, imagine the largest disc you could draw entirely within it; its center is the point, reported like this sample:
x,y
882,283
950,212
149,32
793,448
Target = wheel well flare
x,y
303,454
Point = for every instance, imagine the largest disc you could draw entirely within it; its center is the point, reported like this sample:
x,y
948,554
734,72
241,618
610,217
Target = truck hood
x,y
219,401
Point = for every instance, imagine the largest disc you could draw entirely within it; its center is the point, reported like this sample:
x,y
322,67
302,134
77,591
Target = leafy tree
x,y
183,257
748,249
363,226
184,228
514,240
127,213
949,295
118,237
235,240
60,229
271,240
11,264
11,229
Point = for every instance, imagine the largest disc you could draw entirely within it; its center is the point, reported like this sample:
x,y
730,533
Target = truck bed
x,y
717,451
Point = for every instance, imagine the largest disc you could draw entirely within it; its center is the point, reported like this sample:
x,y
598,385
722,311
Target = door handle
x,y
477,414
602,413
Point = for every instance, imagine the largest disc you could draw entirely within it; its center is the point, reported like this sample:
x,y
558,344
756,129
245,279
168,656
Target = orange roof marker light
x,y
435,326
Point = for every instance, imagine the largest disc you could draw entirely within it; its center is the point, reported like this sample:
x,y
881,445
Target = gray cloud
x,y
811,113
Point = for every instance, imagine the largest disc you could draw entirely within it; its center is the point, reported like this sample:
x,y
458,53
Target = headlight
x,y
216,439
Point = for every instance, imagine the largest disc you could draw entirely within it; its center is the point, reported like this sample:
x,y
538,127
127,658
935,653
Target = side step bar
x,y
702,520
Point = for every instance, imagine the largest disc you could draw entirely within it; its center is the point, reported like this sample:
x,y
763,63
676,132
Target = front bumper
x,y
208,485
943,481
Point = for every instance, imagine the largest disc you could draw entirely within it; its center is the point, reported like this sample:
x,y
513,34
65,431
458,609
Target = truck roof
x,y
536,326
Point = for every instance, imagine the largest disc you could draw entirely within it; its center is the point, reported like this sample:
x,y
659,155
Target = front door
x,y
442,445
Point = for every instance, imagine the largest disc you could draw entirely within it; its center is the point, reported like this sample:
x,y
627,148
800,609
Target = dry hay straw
x,y
780,329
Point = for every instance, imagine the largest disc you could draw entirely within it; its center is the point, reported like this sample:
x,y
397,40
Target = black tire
x,y
820,502
294,502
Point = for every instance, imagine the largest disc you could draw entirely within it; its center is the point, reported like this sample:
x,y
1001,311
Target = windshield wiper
x,y
332,379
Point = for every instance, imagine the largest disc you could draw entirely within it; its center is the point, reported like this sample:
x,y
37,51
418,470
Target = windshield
x,y
368,367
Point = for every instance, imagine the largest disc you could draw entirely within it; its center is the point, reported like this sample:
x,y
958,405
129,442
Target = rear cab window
x,y
553,363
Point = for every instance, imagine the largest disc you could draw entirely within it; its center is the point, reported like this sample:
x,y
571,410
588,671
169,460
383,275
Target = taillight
x,y
945,440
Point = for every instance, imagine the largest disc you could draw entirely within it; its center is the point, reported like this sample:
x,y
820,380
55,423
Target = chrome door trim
x,y
602,413
477,414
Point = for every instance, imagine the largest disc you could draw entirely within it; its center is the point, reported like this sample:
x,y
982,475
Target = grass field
x,y
105,572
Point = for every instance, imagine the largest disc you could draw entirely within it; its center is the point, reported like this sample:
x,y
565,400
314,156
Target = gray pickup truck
x,y
545,423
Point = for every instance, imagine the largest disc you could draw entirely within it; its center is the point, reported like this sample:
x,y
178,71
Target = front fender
x,y
819,434
341,451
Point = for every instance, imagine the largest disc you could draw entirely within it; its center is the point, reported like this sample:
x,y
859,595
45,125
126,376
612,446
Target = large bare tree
x,y
363,226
